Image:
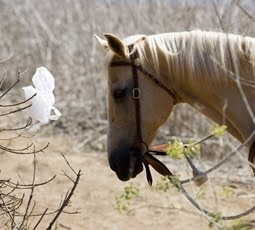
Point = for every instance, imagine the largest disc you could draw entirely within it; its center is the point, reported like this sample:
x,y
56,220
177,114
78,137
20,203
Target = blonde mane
x,y
200,55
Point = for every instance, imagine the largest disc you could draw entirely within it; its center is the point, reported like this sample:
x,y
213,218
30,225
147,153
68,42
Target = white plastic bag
x,y
42,108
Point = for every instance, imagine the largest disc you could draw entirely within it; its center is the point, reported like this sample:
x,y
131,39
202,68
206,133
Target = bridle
x,y
252,154
147,157
135,63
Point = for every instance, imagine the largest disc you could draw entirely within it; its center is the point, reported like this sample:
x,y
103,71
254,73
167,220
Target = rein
x,y
252,154
148,159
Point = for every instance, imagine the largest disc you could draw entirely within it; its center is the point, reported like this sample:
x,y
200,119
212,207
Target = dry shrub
x,y
18,205
59,35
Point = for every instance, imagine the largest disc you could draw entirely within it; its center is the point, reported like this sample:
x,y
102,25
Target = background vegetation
x,y
59,35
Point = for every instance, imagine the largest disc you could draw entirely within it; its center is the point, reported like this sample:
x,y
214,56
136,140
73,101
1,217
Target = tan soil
x,y
98,188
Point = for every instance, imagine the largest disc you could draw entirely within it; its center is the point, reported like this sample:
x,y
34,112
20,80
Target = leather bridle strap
x,y
252,155
145,156
136,64
136,96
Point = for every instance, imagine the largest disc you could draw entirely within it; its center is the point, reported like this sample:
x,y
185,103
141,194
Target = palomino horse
x,y
213,72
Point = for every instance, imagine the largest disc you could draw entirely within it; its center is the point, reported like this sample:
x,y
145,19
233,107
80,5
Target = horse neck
x,y
218,100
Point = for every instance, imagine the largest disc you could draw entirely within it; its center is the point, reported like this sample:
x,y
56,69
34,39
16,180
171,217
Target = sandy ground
x,y
98,188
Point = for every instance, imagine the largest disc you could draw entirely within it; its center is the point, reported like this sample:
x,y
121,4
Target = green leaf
x,y
228,192
175,149
193,150
216,218
218,130
164,184
123,200
240,224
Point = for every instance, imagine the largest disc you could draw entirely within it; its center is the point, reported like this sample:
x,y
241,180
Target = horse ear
x,y
102,42
116,45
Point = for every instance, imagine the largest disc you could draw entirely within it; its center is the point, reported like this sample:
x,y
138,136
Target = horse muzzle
x,y
126,164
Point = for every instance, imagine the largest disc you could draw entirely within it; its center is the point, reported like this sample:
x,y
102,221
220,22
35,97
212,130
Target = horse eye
x,y
117,94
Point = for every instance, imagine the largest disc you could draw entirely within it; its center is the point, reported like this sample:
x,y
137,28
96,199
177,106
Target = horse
x,y
214,72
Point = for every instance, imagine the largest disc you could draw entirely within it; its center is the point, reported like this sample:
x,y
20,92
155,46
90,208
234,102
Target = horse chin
x,y
135,168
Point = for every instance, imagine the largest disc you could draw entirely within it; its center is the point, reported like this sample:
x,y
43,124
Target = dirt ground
x,y
98,188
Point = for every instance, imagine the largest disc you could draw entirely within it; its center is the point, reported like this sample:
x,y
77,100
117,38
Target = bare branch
x,y
22,151
28,186
29,123
31,192
15,111
19,103
244,10
66,201
216,9
68,164
6,59
41,217
12,86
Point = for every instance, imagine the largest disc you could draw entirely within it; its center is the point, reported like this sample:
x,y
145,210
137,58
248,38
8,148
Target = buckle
x,y
136,93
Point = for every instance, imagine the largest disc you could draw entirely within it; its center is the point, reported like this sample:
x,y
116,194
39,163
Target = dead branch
x,y
10,204
23,151
15,111
15,211
6,59
40,219
68,196
28,124
25,216
27,186
12,86
244,10
19,103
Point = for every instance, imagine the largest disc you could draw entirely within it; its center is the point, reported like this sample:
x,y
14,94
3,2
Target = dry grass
x,y
58,35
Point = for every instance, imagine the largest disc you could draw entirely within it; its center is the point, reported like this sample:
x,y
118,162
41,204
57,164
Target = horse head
x,y
124,144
